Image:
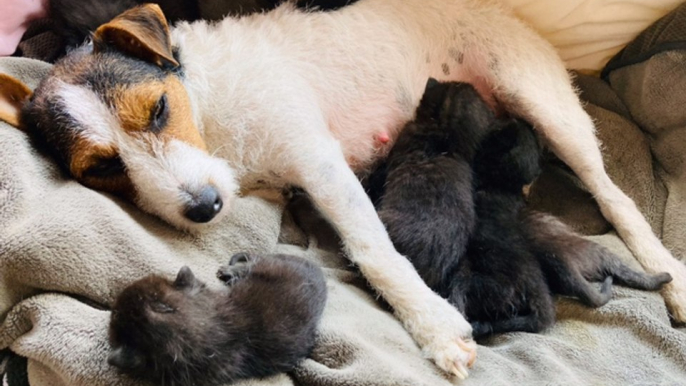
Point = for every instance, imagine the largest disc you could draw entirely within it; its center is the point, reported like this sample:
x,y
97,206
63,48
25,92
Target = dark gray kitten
x,y
183,333
450,195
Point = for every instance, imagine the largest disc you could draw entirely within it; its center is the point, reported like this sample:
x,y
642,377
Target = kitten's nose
x,y
204,206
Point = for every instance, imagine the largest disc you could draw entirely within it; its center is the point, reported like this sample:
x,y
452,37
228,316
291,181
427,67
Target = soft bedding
x,y
65,252
587,33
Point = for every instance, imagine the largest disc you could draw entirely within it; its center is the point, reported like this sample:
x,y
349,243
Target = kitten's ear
x,y
185,278
431,83
431,102
126,358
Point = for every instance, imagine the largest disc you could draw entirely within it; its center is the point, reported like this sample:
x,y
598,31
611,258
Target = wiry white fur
x,y
88,110
158,167
165,183
291,97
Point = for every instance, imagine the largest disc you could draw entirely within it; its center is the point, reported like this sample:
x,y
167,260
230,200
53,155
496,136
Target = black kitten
x,y
450,194
423,191
184,333
499,284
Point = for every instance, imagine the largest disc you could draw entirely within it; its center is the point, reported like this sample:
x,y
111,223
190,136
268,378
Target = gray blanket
x,y
66,251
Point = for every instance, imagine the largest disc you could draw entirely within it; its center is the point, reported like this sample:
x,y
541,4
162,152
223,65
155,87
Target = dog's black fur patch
x,y
183,333
450,194
47,119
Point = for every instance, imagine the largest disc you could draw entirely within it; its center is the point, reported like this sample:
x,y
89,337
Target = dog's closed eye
x,y
105,167
159,115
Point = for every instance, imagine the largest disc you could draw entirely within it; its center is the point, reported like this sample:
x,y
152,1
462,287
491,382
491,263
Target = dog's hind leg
x,y
528,76
439,329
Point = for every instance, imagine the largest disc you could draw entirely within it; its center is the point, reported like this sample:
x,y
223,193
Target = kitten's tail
x,y
628,277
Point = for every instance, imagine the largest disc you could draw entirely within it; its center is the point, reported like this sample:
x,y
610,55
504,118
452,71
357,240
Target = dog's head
x,y
116,116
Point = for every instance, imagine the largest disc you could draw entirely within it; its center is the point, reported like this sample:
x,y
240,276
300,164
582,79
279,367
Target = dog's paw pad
x,y
454,357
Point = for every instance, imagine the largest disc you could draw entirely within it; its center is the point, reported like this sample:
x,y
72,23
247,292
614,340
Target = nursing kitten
x,y
183,333
423,192
450,195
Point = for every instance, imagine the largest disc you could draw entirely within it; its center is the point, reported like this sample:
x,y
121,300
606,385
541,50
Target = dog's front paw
x,y
674,293
446,338
454,356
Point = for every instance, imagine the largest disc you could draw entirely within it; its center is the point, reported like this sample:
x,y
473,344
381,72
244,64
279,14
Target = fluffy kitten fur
x,y
450,195
183,333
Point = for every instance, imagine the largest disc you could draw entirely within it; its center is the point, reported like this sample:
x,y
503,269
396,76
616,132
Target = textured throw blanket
x,y
66,251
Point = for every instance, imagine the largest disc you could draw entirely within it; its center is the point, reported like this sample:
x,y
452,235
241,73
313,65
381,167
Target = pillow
x,y
587,33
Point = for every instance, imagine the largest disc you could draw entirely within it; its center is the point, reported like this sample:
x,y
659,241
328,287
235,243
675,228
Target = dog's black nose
x,y
204,206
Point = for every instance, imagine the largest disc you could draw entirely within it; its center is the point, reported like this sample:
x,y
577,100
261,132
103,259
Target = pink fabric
x,y
15,16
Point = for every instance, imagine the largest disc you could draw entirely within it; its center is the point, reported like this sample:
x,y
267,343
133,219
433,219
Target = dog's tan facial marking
x,y
100,167
135,106
159,107
13,93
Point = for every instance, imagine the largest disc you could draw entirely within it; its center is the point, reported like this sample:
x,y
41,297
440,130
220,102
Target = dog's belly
x,y
367,64
367,130
376,79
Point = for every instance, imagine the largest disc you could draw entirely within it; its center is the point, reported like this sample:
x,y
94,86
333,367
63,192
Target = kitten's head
x,y
451,118
153,320
509,158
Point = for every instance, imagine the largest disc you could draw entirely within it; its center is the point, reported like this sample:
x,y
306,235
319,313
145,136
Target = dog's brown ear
x,y
13,94
142,32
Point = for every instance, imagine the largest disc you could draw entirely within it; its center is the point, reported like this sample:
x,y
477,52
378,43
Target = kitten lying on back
x,y
183,333
450,194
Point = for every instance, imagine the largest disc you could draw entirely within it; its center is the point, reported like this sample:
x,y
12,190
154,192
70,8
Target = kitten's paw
x,y
605,291
237,267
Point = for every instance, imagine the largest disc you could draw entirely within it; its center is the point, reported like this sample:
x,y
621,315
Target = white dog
x,y
290,97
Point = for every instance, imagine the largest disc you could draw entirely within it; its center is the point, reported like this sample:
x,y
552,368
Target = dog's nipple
x,y
383,138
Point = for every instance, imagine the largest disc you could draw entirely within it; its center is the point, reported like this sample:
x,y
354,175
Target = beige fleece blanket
x,y
65,252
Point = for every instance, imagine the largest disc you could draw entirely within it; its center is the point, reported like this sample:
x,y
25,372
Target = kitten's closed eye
x,y
161,307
